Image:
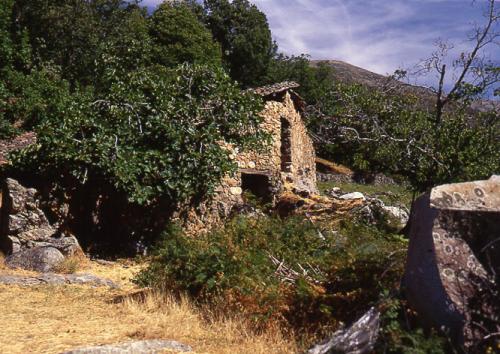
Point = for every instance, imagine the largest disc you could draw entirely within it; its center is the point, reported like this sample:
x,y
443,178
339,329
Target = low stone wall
x,y
25,226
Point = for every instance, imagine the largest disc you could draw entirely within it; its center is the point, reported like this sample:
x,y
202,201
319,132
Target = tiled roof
x,y
275,88
19,142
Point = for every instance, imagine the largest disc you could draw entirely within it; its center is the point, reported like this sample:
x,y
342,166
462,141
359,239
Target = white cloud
x,y
377,35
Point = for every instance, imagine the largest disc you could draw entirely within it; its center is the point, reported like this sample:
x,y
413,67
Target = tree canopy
x,y
178,36
244,35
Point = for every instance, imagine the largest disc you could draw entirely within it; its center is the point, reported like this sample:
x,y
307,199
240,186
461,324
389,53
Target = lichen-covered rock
x,y
140,347
40,259
453,265
24,225
360,338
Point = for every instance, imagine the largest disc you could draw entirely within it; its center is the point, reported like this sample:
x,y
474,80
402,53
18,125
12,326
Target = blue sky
x,y
378,35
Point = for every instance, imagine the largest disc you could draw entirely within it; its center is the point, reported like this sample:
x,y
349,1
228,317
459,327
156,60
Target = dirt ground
x,y
54,319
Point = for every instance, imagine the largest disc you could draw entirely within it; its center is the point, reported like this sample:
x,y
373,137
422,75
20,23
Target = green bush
x,y
401,335
326,275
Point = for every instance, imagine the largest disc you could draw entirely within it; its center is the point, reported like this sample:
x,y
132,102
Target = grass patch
x,y
72,264
47,319
391,194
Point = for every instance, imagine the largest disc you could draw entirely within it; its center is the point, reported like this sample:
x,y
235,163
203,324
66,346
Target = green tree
x,y
244,34
428,141
375,130
314,80
72,34
179,37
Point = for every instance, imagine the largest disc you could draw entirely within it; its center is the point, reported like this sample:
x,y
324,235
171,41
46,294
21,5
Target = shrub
x,y
281,270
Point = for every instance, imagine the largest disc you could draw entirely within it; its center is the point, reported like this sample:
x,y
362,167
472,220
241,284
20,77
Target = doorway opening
x,y
286,146
257,185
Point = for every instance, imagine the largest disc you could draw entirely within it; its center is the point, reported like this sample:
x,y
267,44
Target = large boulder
x,y
40,259
24,226
453,266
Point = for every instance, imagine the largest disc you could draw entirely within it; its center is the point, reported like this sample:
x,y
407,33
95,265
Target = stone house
x,y
287,164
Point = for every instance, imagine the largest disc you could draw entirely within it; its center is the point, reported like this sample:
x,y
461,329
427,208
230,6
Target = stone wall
x,y
299,172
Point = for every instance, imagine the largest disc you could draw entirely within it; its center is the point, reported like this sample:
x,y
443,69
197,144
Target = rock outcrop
x,y
453,267
40,259
56,279
360,338
140,347
25,231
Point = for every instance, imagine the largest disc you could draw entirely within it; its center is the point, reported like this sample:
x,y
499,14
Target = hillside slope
x,y
348,73
351,74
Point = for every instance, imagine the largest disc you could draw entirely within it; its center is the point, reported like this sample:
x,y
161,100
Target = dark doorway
x,y
257,184
286,146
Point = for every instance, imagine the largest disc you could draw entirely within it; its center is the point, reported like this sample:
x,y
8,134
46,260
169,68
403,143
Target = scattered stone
x,y
333,177
354,195
40,259
453,267
56,279
140,347
382,180
104,262
25,225
375,209
358,339
401,215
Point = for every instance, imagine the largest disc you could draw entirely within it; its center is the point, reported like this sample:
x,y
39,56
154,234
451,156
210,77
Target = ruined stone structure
x,y
288,163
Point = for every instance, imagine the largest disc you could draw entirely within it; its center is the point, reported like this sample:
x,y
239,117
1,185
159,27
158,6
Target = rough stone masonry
x,y
287,163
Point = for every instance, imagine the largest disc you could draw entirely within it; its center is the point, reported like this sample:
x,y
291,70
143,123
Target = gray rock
x,y
375,208
360,338
40,259
397,213
56,279
453,264
25,225
354,195
140,347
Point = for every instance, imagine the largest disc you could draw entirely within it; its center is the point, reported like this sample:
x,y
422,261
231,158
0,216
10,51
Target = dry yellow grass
x,y
47,319
334,167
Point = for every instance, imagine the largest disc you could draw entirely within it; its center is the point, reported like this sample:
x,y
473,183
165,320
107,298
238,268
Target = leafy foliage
x,y
155,134
179,37
398,335
244,35
346,270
